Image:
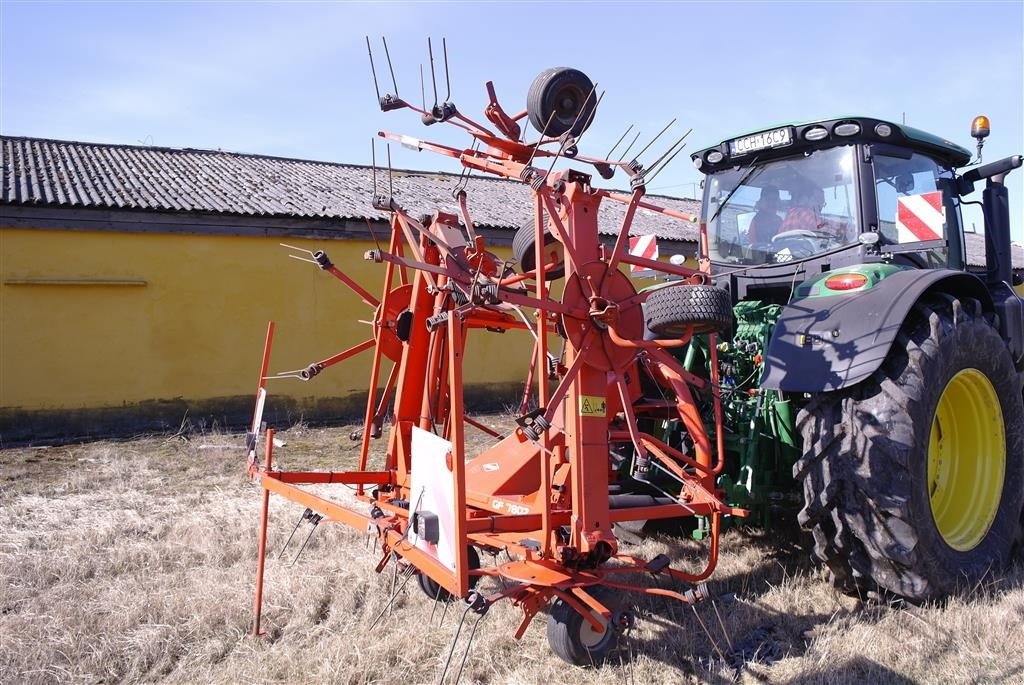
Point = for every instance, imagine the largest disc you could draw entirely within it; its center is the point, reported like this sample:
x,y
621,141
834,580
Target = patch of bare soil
x,y
135,561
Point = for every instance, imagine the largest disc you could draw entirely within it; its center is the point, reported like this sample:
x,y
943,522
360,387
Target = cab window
x,y
916,205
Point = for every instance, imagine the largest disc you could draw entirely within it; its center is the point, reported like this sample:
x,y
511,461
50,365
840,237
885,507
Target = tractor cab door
x,y
918,209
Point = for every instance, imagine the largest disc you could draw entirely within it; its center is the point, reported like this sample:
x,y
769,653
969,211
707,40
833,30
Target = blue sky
x,y
293,79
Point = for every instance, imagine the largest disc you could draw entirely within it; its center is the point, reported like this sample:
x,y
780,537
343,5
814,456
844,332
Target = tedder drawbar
x,y
592,453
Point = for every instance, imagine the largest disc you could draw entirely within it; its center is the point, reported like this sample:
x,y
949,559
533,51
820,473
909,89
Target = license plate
x,y
759,141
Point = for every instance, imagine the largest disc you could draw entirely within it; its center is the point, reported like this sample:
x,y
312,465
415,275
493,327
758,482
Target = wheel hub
x,y
966,460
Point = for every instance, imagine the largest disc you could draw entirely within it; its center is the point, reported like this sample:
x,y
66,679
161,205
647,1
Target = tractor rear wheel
x,y
572,637
914,479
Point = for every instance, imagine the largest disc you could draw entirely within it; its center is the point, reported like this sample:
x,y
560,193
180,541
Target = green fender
x,y
825,341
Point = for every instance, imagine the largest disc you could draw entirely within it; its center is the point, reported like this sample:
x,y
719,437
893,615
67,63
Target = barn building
x,y
136,283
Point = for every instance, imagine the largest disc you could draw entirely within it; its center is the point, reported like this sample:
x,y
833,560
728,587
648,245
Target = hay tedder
x,y
589,449
845,363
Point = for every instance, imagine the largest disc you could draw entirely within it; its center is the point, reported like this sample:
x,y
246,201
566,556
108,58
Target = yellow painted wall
x,y
189,321
113,319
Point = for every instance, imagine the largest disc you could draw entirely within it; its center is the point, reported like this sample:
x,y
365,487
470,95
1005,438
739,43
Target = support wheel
x,y
563,99
914,479
434,591
670,310
572,637
522,250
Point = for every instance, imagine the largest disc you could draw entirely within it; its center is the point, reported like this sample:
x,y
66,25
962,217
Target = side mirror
x,y
904,183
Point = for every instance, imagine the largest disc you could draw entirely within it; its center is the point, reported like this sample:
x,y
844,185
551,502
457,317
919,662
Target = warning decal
x,y
593,405
645,246
920,217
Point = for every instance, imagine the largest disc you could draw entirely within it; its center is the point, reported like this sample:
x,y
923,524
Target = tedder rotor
x,y
588,456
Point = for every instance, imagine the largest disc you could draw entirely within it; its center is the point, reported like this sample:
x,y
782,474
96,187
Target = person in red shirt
x,y
766,222
805,212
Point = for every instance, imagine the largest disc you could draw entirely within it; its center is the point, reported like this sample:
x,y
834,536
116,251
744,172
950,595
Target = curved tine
x,y
390,68
562,146
373,71
645,148
391,180
373,163
297,249
590,119
627,409
673,147
667,162
570,375
447,80
423,91
621,138
630,146
433,78
372,234
287,374
543,133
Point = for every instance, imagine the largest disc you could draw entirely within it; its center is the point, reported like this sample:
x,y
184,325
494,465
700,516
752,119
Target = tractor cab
x,y
830,193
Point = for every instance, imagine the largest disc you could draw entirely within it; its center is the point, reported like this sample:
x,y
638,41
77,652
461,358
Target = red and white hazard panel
x,y
645,246
920,217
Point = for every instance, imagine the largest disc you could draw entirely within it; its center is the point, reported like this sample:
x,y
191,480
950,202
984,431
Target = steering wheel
x,y
796,244
798,233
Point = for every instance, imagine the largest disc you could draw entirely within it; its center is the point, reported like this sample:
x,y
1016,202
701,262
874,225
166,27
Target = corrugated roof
x,y
975,244
59,173
43,172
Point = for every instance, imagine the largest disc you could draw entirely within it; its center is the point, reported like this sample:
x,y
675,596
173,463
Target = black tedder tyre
x,y
572,637
670,310
434,591
522,250
563,99
914,479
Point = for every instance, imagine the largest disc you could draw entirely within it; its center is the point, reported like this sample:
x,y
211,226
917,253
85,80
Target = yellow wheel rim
x,y
966,459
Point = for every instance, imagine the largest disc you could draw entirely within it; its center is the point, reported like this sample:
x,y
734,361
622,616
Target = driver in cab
x,y
805,215
805,212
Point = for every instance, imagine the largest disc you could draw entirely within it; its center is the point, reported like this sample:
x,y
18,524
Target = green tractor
x,y
864,358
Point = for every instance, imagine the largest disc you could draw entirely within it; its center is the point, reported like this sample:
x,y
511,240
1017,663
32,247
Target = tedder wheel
x,y
522,250
914,479
669,310
573,638
434,591
562,98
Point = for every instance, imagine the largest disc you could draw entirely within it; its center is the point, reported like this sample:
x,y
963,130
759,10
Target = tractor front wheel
x,y
914,479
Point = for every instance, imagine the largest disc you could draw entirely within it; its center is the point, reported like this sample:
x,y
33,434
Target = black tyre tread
x,y
859,467
668,311
434,590
522,250
550,79
563,621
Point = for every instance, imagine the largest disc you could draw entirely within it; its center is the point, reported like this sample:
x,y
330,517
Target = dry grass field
x,y
135,561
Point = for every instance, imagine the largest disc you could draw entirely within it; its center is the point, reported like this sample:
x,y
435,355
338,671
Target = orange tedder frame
x,y
540,493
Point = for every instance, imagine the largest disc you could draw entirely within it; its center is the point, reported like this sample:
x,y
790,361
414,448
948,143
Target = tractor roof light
x,y
698,162
816,133
980,127
883,130
714,157
979,131
848,128
846,281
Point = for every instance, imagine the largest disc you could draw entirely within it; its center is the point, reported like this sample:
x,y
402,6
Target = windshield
x,y
784,209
